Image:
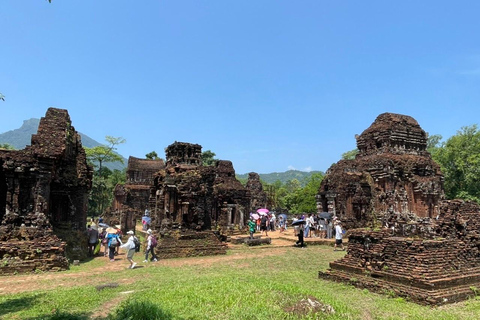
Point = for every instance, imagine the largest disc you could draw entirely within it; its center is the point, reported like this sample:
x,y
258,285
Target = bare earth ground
x,y
45,281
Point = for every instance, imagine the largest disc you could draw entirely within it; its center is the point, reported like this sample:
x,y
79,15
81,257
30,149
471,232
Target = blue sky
x,y
269,85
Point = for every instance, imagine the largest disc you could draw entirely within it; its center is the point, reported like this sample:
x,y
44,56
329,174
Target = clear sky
x,y
270,85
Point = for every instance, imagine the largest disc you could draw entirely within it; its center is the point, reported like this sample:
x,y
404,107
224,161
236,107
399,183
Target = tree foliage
x,y
105,153
6,146
208,158
152,156
459,158
104,179
350,155
293,197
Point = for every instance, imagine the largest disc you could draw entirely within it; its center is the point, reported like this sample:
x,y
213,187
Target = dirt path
x,y
46,281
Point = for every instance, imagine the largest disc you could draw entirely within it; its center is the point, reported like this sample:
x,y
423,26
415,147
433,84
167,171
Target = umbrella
x,y
111,230
255,216
263,210
298,222
284,215
325,215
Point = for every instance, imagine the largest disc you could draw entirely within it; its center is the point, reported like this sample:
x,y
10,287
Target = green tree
x,y
350,155
105,153
459,158
104,180
433,143
208,158
6,146
152,156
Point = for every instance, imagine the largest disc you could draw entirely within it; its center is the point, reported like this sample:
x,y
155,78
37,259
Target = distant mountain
x,y
21,137
282,176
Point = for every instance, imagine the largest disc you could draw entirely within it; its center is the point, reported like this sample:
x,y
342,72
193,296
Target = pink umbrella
x,y
262,211
255,216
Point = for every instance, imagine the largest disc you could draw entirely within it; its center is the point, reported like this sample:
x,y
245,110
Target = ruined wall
x,y
439,265
428,249
132,198
43,198
258,197
392,173
198,197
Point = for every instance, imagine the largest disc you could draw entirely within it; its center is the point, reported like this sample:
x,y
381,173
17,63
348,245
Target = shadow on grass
x,y
15,305
140,310
60,315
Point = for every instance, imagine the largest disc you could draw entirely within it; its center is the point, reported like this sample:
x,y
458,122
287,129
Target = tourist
x,y
258,224
113,242
264,225
308,225
281,223
151,244
92,239
104,241
251,227
130,247
273,221
338,235
329,229
300,233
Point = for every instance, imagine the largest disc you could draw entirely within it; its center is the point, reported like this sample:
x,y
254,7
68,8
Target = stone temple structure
x,y
132,198
43,198
258,197
392,174
189,200
420,246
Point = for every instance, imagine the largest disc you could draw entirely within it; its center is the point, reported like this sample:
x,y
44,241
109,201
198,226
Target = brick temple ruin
x,y
133,198
418,245
43,198
186,200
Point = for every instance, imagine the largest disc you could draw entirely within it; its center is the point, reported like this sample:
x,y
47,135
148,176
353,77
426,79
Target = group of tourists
x,y
317,227
110,238
305,225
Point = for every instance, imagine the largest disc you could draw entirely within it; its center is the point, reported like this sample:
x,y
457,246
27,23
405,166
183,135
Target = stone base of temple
x,y
32,256
181,244
449,291
426,271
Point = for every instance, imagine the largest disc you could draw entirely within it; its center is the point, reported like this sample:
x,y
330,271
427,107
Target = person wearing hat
x,y
151,243
338,235
130,247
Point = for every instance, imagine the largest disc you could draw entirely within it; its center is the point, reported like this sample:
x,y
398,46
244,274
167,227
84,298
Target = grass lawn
x,y
248,283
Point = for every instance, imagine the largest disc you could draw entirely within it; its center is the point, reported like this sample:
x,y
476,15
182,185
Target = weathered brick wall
x,y
43,191
391,174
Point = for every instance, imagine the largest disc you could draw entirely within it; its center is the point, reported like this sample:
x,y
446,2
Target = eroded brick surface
x,y
426,248
43,198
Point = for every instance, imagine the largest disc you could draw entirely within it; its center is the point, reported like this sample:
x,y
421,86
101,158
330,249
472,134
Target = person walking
x,y
264,225
130,247
329,229
151,244
300,235
113,242
308,224
338,235
92,239
251,227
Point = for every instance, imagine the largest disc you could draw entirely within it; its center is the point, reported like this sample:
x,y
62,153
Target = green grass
x,y
257,286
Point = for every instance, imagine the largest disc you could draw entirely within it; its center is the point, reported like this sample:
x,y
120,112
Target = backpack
x,y
137,244
154,241
114,242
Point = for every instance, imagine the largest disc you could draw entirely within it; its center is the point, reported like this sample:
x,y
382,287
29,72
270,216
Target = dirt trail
x,y
46,281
